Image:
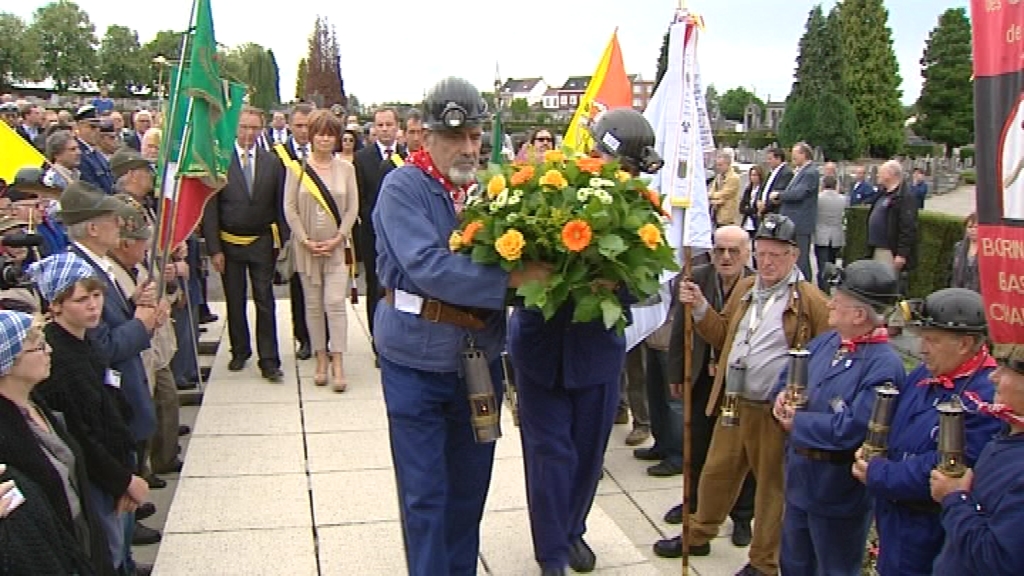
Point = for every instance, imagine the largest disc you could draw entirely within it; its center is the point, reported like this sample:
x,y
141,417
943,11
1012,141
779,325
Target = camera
x,y
12,273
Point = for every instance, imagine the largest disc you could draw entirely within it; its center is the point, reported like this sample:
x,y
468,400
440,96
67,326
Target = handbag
x,y
285,265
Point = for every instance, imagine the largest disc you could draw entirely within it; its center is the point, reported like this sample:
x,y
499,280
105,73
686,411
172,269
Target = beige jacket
x,y
725,198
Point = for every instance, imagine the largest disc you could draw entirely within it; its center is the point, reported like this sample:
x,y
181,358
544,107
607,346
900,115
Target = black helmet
x,y
953,309
776,227
869,281
625,134
453,103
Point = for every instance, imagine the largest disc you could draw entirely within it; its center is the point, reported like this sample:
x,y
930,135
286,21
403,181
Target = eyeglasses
x,y
733,251
542,139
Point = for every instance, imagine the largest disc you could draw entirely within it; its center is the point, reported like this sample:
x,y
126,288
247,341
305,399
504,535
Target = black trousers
x,y
803,242
368,254
701,428
299,328
255,261
825,255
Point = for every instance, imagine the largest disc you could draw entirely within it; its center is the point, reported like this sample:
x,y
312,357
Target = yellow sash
x,y
296,169
246,240
397,160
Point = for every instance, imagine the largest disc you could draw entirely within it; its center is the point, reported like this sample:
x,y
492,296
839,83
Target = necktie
x,y
387,153
247,170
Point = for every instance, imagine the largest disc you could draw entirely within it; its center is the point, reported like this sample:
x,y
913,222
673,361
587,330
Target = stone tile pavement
x,y
292,479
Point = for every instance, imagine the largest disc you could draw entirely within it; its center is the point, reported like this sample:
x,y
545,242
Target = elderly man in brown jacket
x,y
725,193
765,316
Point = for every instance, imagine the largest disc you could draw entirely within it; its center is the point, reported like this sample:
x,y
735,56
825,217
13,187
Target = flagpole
x,y
165,145
688,337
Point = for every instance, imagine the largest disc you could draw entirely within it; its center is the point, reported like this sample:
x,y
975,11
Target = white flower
x,y
512,217
514,199
584,193
601,183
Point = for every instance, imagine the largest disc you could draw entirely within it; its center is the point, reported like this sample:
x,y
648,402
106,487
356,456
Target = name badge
x,y
113,379
408,303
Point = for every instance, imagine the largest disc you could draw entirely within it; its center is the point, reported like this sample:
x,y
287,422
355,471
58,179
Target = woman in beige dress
x,y
320,213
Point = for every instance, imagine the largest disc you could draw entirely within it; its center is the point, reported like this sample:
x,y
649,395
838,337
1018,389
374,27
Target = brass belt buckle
x,y
431,311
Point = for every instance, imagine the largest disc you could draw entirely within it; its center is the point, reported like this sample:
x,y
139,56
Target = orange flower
x,y
495,186
576,235
655,199
471,229
554,179
522,176
651,235
554,156
510,245
591,165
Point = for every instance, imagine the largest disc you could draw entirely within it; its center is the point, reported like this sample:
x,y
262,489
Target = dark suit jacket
x,y
705,277
901,223
799,201
369,163
95,169
779,185
268,135
233,210
388,164
133,140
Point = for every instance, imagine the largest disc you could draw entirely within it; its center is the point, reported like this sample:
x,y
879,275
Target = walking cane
x,y
195,339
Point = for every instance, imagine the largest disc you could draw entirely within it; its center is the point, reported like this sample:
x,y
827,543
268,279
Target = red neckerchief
x,y
969,367
879,335
1001,411
422,160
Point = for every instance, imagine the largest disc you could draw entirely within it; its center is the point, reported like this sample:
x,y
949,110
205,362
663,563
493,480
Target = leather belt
x,y
920,506
437,311
832,456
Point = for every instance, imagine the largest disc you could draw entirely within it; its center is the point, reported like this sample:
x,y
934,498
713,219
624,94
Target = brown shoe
x,y
622,416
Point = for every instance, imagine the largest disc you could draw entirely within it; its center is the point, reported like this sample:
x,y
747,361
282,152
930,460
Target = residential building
x,y
530,89
642,91
572,91
550,99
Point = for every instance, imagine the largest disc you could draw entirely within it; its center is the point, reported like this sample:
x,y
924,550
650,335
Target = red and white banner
x,y
998,27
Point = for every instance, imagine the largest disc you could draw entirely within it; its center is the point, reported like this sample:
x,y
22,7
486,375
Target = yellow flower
x,y
455,241
554,156
553,178
623,176
495,186
651,235
510,245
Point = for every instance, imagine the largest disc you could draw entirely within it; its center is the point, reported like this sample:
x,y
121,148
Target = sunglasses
x,y
733,251
542,139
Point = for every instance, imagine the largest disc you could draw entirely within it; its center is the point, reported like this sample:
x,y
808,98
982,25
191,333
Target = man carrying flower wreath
x,y
437,302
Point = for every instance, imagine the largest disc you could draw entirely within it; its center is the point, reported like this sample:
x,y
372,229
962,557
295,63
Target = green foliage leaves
x,y
122,62
19,55
733,103
946,105
817,111
66,39
871,76
254,66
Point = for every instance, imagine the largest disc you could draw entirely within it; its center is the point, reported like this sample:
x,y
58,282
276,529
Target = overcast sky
x,y
394,50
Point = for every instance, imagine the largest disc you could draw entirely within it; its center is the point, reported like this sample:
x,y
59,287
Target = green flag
x,y
497,140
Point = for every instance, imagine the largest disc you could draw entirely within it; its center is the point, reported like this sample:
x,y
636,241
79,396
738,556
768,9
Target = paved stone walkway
x,y
290,479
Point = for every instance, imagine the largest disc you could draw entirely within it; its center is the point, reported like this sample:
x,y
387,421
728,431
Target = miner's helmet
x,y
1010,355
776,227
870,281
453,104
625,134
951,309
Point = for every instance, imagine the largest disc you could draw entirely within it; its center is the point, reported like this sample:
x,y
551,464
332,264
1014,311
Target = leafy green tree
x,y
167,45
871,77
254,66
122,63
19,57
520,107
274,85
733,103
300,80
817,111
66,39
662,60
946,105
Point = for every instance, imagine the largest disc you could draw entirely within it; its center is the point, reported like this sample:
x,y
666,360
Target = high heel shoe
x,y
320,376
337,375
